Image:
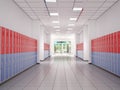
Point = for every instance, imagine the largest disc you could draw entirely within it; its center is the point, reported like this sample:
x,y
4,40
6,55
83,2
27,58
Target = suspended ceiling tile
x,y
90,9
52,5
97,14
42,14
112,0
23,4
69,1
37,5
108,4
26,9
103,8
35,1
31,13
96,0
62,5
34,17
19,0
39,9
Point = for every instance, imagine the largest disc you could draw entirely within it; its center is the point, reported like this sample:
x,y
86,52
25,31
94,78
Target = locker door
x,y
3,56
0,51
118,53
11,52
7,54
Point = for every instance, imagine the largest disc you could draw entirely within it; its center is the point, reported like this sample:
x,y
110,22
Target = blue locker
x,y
12,64
3,67
118,64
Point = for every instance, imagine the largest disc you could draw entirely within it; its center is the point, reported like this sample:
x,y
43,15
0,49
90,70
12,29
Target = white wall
x,y
13,18
63,37
108,23
79,37
46,37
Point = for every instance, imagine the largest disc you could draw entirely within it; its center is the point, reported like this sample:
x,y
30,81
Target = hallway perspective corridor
x,y
63,73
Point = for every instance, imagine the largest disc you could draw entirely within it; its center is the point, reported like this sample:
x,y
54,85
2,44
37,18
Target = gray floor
x,y
63,73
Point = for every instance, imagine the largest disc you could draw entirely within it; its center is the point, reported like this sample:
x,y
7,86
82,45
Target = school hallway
x,y
59,45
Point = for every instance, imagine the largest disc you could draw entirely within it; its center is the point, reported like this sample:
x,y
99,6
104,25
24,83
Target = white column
x,y
87,45
91,33
41,49
38,33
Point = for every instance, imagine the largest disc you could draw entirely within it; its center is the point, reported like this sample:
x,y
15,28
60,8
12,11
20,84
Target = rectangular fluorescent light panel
x,y
55,22
77,9
54,14
50,0
56,26
73,19
71,24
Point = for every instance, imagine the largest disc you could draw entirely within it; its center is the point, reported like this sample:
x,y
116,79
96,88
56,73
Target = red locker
x,y
109,43
97,44
0,38
100,44
44,46
92,45
11,41
115,42
105,43
15,42
21,43
112,42
7,42
119,42
3,41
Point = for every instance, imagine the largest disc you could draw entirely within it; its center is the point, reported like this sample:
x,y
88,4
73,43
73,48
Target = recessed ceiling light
x,y
77,9
50,0
56,26
73,19
71,24
55,22
69,29
54,14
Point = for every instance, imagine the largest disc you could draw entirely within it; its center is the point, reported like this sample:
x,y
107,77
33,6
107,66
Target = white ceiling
x,y
38,10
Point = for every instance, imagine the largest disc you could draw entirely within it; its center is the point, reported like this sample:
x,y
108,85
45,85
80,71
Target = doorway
x,y
62,47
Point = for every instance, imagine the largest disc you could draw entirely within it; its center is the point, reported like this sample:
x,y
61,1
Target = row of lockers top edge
x,y
108,36
5,31
104,37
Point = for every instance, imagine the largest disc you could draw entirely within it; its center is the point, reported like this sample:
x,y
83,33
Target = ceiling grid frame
x,y
92,9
